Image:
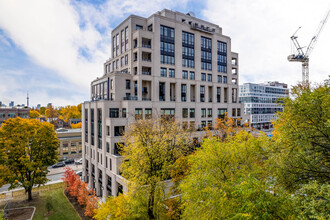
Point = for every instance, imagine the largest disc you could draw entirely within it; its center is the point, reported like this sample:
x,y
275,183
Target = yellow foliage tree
x,y
34,114
78,125
70,112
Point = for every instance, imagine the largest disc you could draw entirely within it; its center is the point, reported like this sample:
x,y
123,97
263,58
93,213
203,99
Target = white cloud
x,y
52,33
260,32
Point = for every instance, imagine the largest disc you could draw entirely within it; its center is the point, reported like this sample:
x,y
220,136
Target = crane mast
x,y
303,57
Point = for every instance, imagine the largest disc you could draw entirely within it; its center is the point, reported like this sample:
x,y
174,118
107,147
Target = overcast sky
x,y
55,48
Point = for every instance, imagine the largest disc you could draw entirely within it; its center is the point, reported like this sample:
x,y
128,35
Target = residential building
x,y
261,102
169,64
6,112
70,143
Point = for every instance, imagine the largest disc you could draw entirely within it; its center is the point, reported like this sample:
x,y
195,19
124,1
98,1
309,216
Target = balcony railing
x,y
146,99
130,98
146,73
146,59
146,45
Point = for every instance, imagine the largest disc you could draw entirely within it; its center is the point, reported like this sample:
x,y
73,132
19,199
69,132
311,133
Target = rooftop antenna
x,y
27,98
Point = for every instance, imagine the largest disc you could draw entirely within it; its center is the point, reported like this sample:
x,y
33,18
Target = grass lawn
x,y
61,207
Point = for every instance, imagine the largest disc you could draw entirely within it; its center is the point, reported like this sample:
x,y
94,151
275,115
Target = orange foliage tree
x,y
78,189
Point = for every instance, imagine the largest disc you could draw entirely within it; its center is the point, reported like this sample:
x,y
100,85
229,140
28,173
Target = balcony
x,y
133,98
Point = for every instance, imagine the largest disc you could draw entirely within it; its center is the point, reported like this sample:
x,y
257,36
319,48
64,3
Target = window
x,y
138,113
124,113
192,75
209,112
108,147
163,72
203,76
126,39
138,27
166,45
126,59
119,130
114,112
184,113
148,113
150,27
218,94
184,74
203,124
167,113
225,79
122,36
203,112
117,148
202,94
219,79
234,112
192,113
188,50
238,112
161,91
183,92
209,77
135,88
128,84
206,53
171,73
222,112
222,57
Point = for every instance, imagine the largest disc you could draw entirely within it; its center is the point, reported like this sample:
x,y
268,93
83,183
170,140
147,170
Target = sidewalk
x,y
54,171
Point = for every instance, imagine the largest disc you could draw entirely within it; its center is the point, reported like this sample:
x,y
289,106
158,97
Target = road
x,y
54,174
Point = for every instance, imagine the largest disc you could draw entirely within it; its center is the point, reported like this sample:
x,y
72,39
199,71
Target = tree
x,y
34,114
229,179
114,208
78,125
312,201
42,110
70,112
302,135
51,113
29,147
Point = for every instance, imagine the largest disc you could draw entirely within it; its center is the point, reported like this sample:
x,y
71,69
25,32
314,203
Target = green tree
x,y
29,146
229,179
312,201
149,154
302,133
42,110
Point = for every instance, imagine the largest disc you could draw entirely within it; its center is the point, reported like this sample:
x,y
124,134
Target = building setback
x,y
169,64
261,102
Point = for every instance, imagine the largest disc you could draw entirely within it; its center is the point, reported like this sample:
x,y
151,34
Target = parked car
x,y
77,162
69,161
59,164
79,173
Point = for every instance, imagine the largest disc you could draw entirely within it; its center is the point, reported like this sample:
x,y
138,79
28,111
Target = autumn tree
x,y
70,112
51,113
78,125
34,114
29,147
229,179
43,110
302,135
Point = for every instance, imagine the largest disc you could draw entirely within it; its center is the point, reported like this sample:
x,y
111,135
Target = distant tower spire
x,y
27,99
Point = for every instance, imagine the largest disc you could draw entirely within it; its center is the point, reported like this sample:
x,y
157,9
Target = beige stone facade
x,y
70,143
167,64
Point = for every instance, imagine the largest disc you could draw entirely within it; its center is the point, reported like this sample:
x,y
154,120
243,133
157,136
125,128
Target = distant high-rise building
x,y
11,104
38,106
169,64
49,105
261,102
27,99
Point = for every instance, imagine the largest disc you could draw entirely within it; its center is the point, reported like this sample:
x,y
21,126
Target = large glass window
x,y
184,113
163,72
188,50
161,91
203,112
206,53
203,76
222,57
167,45
138,113
222,112
148,113
114,112
183,92
192,113
184,74
171,73
192,75
202,94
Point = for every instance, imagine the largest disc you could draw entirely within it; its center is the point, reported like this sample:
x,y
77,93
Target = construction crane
x,y
303,57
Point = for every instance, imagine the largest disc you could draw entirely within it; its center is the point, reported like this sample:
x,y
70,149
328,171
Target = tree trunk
x,y
151,204
29,194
